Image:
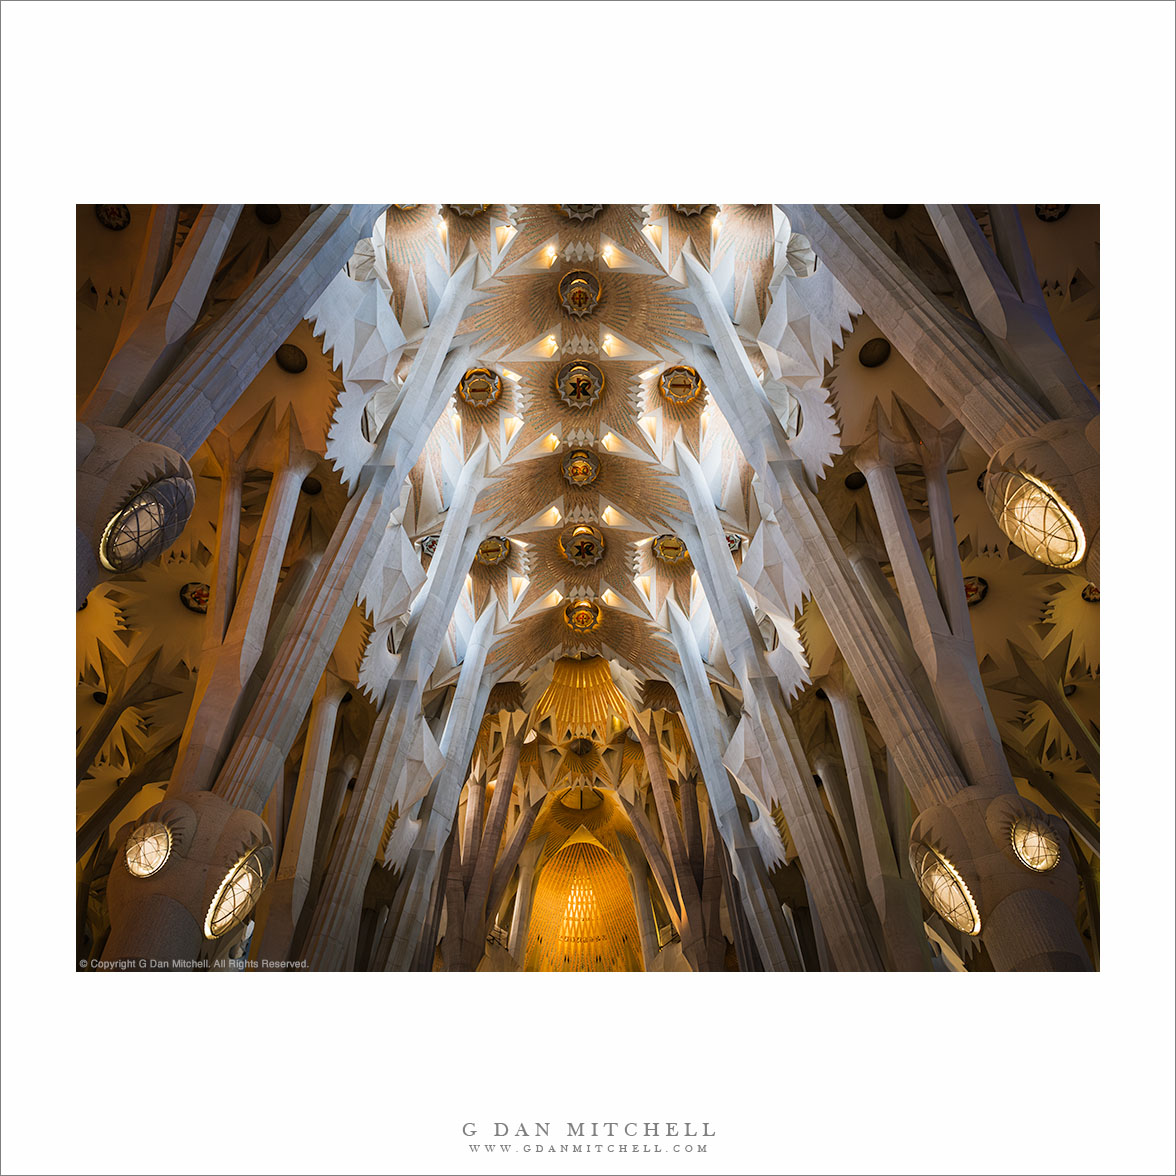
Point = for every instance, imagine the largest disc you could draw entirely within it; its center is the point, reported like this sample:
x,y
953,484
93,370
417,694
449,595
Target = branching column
x,y
272,725
992,407
948,657
195,397
820,855
400,729
225,669
895,899
281,904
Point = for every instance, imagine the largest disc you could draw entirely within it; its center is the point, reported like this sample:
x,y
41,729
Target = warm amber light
x,y
1035,518
1035,844
148,849
238,893
944,889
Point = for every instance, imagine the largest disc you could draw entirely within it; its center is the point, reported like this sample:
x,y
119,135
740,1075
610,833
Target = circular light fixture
x,y
579,292
680,384
670,549
238,892
194,596
975,589
855,480
268,214
1050,212
115,217
147,525
582,615
290,358
493,550
580,212
148,849
579,383
874,353
1035,518
580,467
469,209
1090,594
944,889
583,546
311,486
429,545
894,211
479,387
1035,844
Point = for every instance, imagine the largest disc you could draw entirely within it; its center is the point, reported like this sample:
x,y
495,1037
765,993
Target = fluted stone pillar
x,y
165,301
948,658
225,671
198,394
896,900
825,869
281,906
810,541
269,730
400,729
992,406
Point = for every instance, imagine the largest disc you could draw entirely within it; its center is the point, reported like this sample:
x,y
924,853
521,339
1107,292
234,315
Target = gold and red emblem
x,y
680,384
670,549
583,615
582,545
480,387
579,292
579,383
493,550
580,467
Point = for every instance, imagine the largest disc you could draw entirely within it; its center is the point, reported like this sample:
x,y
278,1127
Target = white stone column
x,y
520,923
948,658
810,542
992,406
895,900
269,730
162,308
1014,318
820,855
281,905
225,671
195,397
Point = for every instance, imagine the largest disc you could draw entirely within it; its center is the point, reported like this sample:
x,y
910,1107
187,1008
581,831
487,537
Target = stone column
x,y
224,672
477,916
848,933
198,394
1014,318
162,308
812,544
269,730
280,908
409,914
832,774
690,926
896,900
639,888
765,915
992,406
948,658
520,923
